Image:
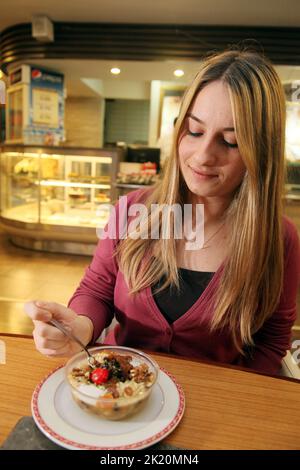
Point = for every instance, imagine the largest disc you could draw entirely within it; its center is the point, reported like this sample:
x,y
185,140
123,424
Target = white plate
x,y
61,420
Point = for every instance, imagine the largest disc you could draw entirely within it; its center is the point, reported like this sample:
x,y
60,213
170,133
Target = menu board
x,y
45,105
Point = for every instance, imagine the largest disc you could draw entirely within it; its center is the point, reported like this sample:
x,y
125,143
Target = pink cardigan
x,y
103,294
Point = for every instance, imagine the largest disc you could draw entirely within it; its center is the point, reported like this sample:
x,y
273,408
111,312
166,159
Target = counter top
x,y
226,407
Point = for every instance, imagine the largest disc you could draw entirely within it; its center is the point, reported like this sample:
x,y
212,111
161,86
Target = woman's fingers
x,y
53,348
49,340
48,337
48,331
63,352
37,313
45,343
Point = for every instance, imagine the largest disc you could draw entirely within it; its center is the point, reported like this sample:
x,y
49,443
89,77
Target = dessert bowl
x,y
118,387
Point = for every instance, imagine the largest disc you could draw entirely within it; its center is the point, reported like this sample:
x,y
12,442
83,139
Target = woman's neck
x,y
214,208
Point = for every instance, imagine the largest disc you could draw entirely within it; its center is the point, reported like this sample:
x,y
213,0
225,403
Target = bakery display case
x,y
56,198
132,176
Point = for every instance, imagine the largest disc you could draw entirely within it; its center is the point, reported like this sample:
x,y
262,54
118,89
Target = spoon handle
x,y
70,335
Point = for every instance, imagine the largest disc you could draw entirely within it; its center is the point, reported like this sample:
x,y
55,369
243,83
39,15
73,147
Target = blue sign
x,y
46,108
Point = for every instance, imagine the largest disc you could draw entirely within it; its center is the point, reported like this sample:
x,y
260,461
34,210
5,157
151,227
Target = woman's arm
x,y
94,296
273,339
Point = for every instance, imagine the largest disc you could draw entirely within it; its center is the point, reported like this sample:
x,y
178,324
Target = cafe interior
x,y
88,101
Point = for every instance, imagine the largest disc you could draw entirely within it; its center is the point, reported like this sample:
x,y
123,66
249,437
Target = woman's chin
x,y
203,192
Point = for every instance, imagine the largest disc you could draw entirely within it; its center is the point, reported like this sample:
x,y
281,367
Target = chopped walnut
x,y
140,373
128,391
78,373
150,379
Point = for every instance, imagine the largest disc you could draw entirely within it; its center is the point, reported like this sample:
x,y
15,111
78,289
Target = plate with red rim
x,y
61,420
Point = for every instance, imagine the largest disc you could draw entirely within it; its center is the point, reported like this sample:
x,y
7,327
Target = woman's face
x,y
209,157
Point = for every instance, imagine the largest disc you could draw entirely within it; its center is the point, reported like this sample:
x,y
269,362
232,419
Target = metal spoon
x,y
91,360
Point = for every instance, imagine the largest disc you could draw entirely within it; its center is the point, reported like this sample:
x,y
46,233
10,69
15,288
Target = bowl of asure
x,y
119,384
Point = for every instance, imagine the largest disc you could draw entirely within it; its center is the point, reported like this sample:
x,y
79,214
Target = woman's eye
x,y
230,145
198,134
194,134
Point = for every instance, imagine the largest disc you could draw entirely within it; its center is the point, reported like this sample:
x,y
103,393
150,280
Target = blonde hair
x,y
251,281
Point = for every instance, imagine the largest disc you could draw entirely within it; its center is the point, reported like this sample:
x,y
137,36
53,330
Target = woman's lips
x,y
202,175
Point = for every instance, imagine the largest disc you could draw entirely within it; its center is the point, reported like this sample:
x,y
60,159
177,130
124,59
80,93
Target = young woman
x,y
233,300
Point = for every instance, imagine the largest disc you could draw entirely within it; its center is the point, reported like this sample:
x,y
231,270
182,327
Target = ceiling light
x,y
115,71
178,73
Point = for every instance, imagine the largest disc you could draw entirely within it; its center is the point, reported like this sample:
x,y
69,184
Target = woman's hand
x,y
48,339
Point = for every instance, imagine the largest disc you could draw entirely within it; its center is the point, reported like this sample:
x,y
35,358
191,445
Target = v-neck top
x,y
103,295
173,302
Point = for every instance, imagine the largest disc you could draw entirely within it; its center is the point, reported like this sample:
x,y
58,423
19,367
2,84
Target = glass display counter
x,y
133,176
55,198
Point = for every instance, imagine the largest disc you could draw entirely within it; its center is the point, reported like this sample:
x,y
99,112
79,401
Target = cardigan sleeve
x,y
272,341
94,296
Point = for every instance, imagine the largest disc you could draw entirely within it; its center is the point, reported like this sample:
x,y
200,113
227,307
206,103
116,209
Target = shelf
x,y
70,184
60,182
85,178
293,197
133,186
22,176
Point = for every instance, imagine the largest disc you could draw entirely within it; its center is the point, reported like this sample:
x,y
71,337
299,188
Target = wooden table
x,y
226,407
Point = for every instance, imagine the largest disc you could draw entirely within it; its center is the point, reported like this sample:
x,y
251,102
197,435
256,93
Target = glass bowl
x,y
129,377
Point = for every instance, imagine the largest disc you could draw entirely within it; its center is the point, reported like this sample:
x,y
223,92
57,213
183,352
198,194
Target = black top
x,y
174,303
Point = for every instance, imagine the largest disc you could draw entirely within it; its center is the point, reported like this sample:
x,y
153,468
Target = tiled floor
x,y
27,275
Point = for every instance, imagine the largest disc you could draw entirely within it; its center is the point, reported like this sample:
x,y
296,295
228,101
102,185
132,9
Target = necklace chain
x,y
212,236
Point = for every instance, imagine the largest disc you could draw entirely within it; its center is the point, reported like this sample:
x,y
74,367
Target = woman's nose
x,y
206,152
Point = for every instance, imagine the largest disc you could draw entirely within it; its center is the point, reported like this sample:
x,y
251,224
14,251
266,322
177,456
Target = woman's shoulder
x,y
289,228
120,215
137,196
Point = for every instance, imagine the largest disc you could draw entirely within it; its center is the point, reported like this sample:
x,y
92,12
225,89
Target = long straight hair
x,y
250,284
